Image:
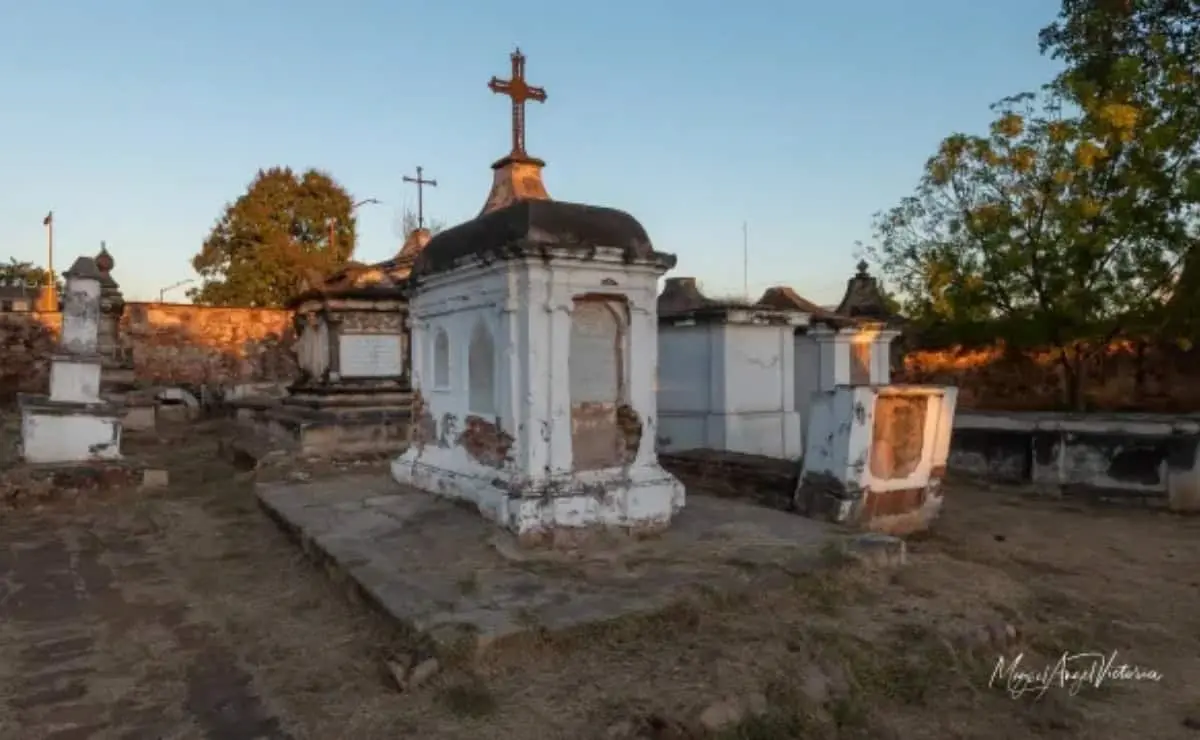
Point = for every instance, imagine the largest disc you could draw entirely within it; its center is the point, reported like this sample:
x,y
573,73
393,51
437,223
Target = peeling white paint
x,y
840,442
47,438
526,306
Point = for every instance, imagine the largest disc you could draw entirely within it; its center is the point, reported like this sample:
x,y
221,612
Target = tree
x,y
26,272
408,224
1142,58
1053,227
285,231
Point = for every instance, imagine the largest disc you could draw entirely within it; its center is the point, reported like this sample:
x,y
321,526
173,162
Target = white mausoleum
x,y
741,376
726,375
534,347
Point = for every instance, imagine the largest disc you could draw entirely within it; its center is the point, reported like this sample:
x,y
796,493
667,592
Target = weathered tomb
x,y
1144,458
354,392
726,374
73,423
534,354
739,376
875,456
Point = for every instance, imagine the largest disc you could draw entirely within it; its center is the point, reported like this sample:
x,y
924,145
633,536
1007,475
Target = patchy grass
x,y
840,653
468,698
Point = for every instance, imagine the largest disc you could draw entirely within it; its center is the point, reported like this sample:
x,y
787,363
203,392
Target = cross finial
x,y
420,183
520,92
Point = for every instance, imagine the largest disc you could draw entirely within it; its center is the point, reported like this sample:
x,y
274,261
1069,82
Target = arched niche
x,y
481,372
596,367
441,359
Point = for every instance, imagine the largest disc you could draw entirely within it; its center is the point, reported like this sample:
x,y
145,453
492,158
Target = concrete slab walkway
x,y
442,569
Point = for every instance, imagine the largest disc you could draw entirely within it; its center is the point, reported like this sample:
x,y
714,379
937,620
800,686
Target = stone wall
x,y
26,341
169,344
1127,376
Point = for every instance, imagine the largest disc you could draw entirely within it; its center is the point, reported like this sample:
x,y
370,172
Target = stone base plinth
x,y
640,500
59,432
332,430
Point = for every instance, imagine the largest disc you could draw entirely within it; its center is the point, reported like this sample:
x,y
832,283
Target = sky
x,y
136,121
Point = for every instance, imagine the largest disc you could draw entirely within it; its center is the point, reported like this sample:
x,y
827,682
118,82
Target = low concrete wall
x,y
766,480
1141,455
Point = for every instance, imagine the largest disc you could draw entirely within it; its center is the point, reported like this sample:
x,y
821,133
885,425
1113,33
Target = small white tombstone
x,y
73,424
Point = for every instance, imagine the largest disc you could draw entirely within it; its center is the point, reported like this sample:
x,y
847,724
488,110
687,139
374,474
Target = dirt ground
x,y
184,613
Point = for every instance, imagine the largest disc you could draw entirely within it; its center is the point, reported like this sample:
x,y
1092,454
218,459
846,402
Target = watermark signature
x,y
1072,671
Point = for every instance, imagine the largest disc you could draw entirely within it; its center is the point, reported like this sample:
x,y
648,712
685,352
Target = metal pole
x,y
50,249
420,201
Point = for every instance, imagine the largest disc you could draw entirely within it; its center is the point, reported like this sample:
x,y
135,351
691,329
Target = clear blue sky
x,y
137,120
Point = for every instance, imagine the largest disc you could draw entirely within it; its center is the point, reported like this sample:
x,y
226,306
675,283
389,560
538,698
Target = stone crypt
x,y
353,395
534,343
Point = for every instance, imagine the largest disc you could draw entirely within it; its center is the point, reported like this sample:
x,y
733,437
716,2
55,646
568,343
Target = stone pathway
x,y
97,642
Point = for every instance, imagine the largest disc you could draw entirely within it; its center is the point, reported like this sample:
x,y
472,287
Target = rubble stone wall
x,y
169,344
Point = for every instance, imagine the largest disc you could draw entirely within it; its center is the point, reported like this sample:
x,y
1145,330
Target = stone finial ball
x,y
104,260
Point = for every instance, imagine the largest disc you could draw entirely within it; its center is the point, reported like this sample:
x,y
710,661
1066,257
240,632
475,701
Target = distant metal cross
x,y
420,183
519,91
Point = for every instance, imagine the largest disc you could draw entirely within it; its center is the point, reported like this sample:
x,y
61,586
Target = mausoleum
x,y
740,375
726,374
353,393
534,352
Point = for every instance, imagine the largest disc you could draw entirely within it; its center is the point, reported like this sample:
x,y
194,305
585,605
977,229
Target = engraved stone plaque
x,y
371,355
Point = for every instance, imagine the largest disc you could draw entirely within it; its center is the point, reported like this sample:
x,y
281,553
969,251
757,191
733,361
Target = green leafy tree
x,y
286,231
1052,227
1140,60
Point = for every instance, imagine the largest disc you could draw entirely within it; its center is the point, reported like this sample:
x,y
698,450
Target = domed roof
x,y
530,227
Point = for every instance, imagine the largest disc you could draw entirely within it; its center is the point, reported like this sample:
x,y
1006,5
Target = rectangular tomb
x,y
875,456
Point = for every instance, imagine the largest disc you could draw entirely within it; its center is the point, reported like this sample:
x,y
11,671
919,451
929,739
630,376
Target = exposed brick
x,y
486,442
424,428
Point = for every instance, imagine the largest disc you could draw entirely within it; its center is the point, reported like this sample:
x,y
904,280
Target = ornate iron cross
x,y
520,91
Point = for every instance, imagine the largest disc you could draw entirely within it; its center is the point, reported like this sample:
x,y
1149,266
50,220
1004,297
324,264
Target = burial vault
x,y
534,348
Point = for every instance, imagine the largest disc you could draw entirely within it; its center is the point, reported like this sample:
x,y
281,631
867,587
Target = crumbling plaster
x,y
526,305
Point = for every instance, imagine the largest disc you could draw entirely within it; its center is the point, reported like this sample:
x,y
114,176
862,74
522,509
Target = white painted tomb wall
x,y
52,438
728,385
544,346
